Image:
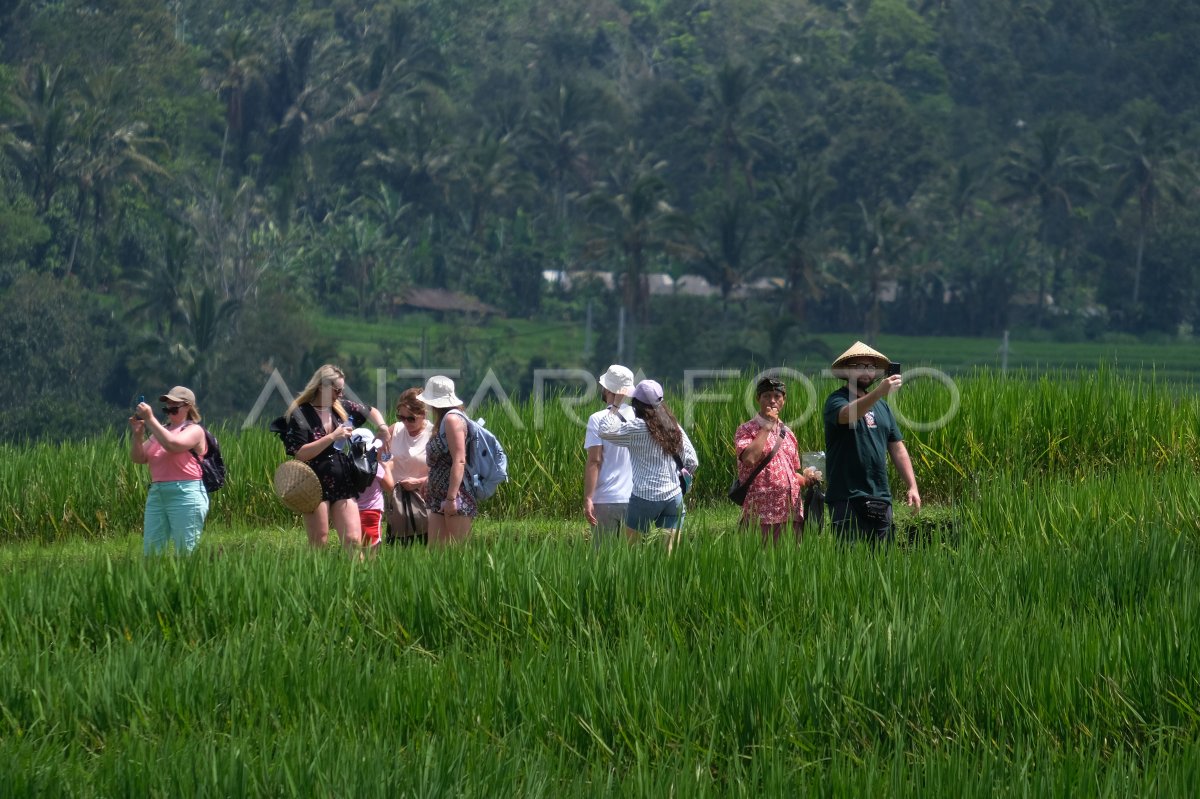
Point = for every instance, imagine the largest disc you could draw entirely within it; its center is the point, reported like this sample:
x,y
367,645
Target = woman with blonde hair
x,y
318,425
452,509
177,502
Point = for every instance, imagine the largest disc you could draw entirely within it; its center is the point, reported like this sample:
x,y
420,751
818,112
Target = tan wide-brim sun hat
x,y
860,351
297,486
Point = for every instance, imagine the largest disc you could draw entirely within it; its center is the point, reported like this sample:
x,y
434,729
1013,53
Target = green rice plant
x,y
384,342
1067,425
1049,651
1073,423
90,488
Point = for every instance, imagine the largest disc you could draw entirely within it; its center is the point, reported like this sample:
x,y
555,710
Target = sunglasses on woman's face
x,y
169,411
404,418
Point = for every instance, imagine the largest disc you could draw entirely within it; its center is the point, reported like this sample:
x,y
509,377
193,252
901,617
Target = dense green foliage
x,y
200,178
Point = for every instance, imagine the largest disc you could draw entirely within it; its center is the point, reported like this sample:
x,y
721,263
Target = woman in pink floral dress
x,y
774,500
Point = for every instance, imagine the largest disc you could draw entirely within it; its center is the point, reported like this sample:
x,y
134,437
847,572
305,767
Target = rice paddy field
x,y
1033,632
396,342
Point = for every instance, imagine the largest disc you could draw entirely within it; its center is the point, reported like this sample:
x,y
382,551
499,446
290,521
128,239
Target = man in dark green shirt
x,y
860,433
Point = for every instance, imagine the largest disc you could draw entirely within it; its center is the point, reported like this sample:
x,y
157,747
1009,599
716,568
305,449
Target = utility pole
x,y
621,335
1004,354
587,334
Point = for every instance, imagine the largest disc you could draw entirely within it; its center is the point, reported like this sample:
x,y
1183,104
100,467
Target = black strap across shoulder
x,y
763,463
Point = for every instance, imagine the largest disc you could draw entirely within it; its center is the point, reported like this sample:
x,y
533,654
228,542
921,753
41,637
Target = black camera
x,y
893,368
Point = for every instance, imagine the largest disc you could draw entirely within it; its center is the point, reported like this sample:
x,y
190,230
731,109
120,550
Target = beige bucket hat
x,y
297,486
618,380
439,393
860,351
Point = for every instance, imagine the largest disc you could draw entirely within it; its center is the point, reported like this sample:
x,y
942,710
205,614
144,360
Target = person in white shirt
x,y
607,479
407,517
655,440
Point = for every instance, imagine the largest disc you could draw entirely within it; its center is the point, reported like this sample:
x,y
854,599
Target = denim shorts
x,y
665,513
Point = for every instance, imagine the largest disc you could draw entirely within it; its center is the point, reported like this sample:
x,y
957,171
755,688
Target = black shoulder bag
x,y
738,491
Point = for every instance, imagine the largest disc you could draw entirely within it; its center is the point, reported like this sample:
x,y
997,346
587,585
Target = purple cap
x,y
648,392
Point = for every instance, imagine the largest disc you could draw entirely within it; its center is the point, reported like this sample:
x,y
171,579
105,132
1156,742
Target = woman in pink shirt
x,y
773,501
177,503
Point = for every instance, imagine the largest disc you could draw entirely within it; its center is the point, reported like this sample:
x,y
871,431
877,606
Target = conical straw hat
x,y
860,350
297,486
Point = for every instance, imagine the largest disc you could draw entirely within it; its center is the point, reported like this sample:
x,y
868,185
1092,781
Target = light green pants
x,y
175,514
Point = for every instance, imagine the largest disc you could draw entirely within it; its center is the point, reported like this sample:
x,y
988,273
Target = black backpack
x,y
212,465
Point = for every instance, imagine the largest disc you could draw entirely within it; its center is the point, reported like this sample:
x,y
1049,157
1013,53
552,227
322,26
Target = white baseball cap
x,y
365,437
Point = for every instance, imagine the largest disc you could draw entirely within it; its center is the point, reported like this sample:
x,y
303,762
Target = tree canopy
x,y
896,164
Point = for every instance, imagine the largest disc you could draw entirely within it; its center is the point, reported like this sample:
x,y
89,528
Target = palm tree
x,y
238,71
724,243
967,186
486,172
631,221
360,248
111,153
795,213
565,130
414,156
732,98
40,135
1147,169
156,293
1054,179
237,240
389,209
205,324
883,240
405,63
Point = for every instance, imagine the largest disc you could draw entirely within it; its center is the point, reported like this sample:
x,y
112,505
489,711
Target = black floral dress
x,y
333,469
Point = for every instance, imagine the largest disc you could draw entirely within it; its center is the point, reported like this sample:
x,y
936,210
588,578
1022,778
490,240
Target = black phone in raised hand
x,y
893,368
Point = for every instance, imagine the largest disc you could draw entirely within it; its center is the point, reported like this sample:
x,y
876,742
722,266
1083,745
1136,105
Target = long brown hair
x,y
440,413
661,425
